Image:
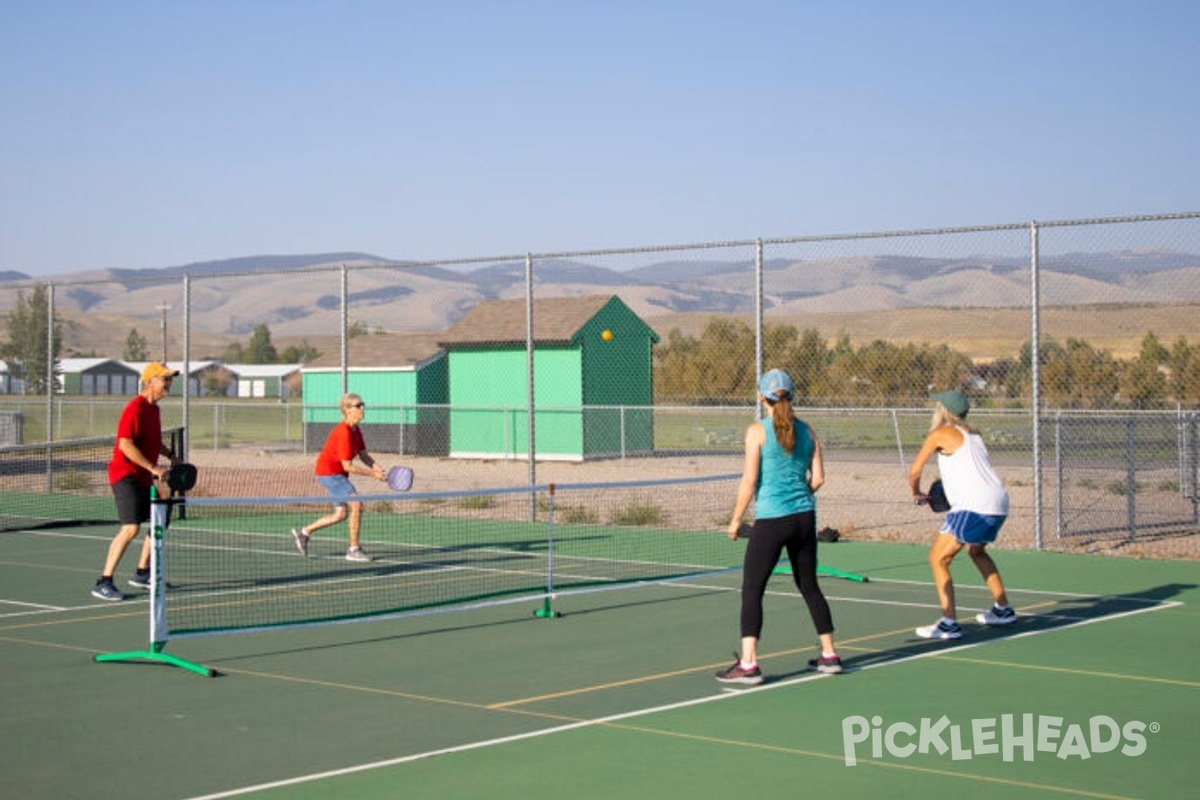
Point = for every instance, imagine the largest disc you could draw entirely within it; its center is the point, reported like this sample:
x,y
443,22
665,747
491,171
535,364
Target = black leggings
x,y
798,534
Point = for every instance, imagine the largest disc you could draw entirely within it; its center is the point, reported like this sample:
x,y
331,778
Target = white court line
x,y
1082,595
27,608
932,604
723,695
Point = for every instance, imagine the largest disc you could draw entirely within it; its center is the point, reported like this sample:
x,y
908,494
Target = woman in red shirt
x,y
334,466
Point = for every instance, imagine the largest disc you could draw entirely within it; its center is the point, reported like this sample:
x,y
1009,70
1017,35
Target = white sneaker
x,y
941,630
357,554
996,615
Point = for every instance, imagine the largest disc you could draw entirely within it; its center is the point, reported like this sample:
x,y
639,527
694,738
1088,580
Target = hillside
x,y
1111,299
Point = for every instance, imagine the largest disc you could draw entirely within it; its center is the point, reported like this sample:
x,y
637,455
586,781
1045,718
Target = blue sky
x,y
154,134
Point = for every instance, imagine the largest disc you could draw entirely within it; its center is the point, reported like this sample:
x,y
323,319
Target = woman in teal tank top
x,y
782,470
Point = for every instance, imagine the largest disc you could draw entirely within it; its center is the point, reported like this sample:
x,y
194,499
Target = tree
x,y
811,373
136,347
260,350
233,353
26,350
1078,375
1143,385
299,354
216,382
1185,373
718,368
1153,352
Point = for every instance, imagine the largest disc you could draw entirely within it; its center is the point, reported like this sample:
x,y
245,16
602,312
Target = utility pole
x,y
164,308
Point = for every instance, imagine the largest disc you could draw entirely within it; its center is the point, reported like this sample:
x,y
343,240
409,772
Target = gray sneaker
x,y
104,590
139,580
357,554
830,665
301,539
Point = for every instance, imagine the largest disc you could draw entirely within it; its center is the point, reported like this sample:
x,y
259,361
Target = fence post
x,y
623,442
758,311
1130,479
49,385
531,445
345,332
187,363
899,443
1058,477
1192,465
1035,380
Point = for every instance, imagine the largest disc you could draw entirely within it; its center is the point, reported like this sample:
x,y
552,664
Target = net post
x,y
546,611
158,601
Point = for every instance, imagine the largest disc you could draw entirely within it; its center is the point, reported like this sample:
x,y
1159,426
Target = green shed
x,y
401,378
593,388
197,371
96,376
261,380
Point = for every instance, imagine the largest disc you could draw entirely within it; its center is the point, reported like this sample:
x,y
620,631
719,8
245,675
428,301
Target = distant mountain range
x,y
300,295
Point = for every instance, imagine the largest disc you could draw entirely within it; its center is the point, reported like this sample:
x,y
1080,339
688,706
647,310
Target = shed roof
x,y
193,366
556,319
73,365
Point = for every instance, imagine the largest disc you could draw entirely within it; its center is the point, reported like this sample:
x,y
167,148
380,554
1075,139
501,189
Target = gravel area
x,y
863,500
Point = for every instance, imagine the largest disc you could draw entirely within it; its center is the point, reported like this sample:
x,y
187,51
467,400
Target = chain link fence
x,y
648,354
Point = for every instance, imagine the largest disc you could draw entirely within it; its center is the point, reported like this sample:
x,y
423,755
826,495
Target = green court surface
x,y
1090,694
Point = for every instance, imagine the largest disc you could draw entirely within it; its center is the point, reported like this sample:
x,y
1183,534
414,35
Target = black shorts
x,y
133,501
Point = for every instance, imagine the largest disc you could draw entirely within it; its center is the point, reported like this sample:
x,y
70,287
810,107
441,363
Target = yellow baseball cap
x,y
157,369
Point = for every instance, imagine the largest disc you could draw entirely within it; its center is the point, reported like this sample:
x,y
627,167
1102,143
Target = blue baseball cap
x,y
775,381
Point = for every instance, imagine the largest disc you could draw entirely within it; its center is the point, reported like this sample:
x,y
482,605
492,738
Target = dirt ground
x,y
863,500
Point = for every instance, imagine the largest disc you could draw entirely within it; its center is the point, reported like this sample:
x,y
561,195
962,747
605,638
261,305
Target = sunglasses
x,y
357,405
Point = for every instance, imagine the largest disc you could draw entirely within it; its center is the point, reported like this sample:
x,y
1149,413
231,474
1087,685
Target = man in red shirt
x,y
132,470
334,466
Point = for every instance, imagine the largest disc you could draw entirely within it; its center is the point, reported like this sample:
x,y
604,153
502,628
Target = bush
x,y
476,502
578,515
71,480
638,513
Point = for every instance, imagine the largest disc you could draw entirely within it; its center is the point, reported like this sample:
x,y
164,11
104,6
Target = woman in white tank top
x,y
978,509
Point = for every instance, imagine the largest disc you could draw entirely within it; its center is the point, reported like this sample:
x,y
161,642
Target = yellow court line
x,y
843,644
35,565
1071,671
869,762
697,737
507,704
316,682
53,645
672,674
507,707
393,693
73,621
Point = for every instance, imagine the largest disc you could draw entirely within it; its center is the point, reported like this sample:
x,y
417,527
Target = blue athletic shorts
x,y
339,487
971,528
